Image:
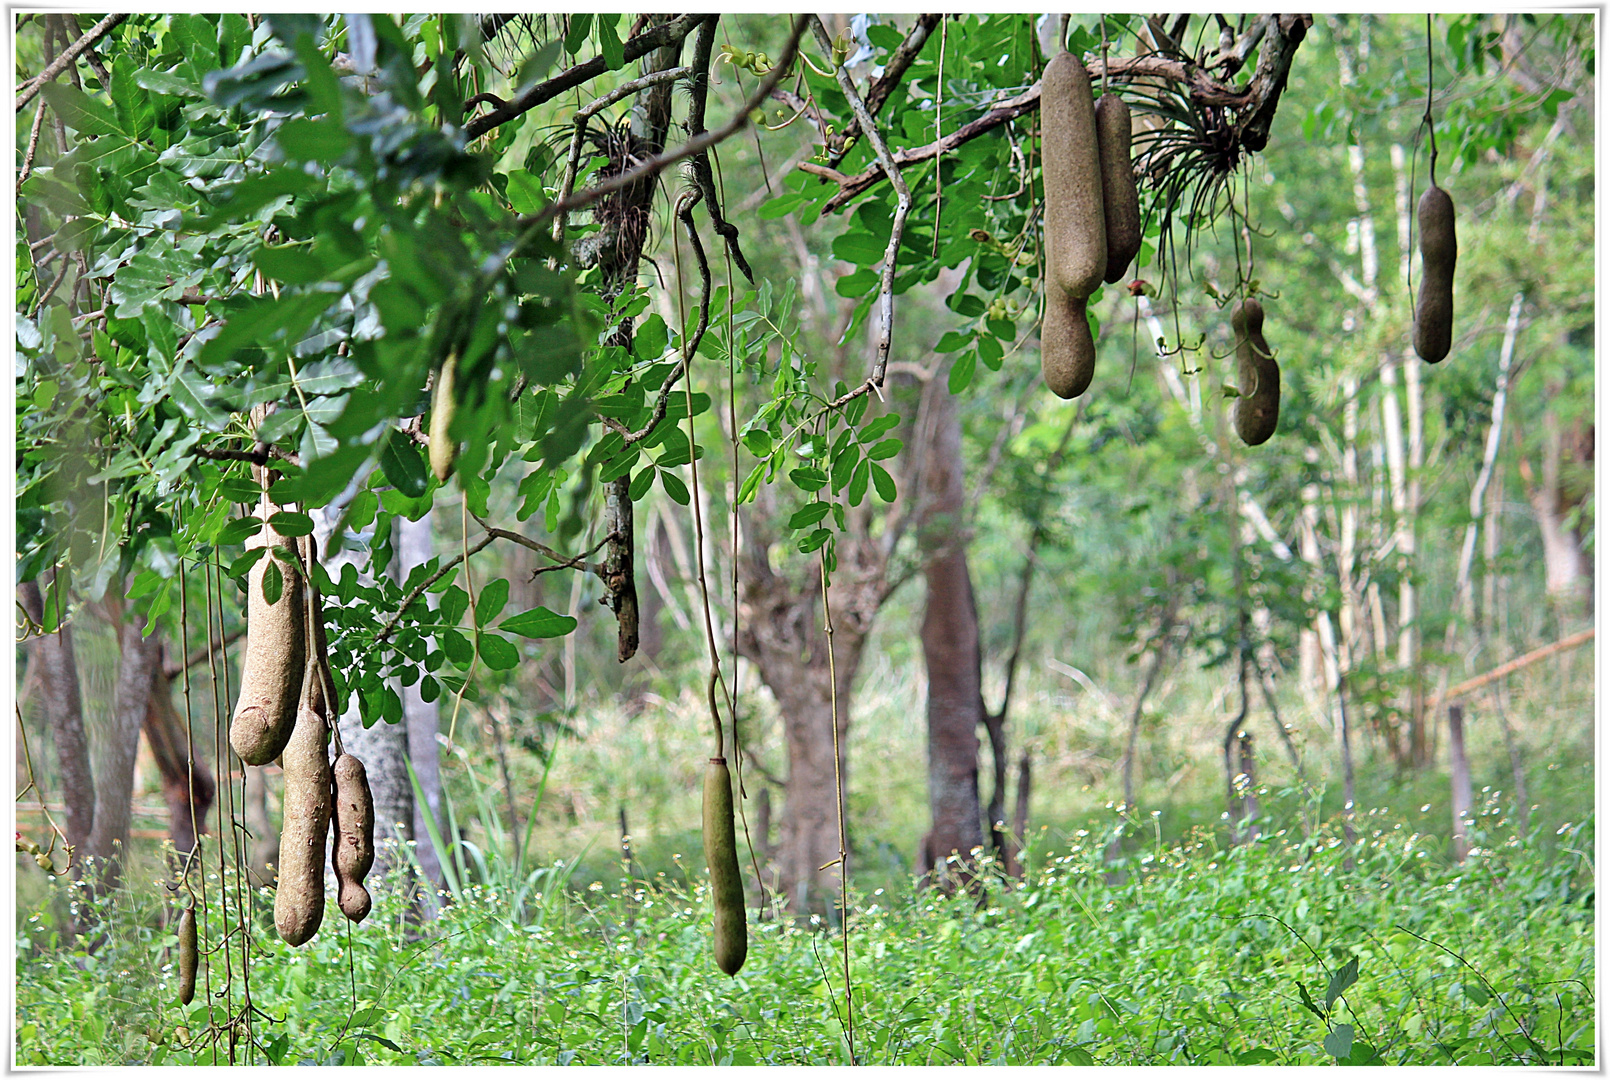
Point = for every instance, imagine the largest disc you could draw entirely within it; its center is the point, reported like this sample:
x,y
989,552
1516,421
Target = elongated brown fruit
x,y
1439,250
442,447
721,856
299,896
1120,201
1257,410
1075,230
189,956
1067,351
354,824
276,653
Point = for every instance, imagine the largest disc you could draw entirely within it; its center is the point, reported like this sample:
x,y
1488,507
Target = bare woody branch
x,y
27,91
869,126
634,48
1256,102
695,145
884,85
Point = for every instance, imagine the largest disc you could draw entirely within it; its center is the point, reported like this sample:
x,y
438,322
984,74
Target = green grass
x,y
1278,952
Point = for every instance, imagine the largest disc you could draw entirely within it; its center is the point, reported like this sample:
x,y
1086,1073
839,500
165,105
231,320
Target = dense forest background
x,y
1100,626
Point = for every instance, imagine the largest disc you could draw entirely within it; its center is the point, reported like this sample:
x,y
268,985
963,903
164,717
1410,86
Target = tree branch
x,y
893,71
634,48
701,161
1256,101
27,91
869,127
693,146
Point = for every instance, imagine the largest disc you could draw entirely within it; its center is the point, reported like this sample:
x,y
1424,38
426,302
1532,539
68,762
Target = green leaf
x,y
888,448
641,483
1339,1043
1308,1001
609,42
290,523
458,648
950,341
81,112
809,515
859,248
499,653
580,24
273,582
539,622
858,483
961,372
493,596
1259,1056
859,283
808,478
674,486
304,139
403,465
1339,982
780,206
884,483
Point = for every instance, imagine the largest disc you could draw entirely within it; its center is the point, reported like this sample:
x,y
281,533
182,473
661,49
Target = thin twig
x,y
633,48
893,71
54,285
27,91
33,145
880,148
587,112
693,146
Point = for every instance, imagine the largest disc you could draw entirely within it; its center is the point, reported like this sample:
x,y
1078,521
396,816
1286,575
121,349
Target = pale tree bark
x,y
60,700
1568,571
382,747
950,647
188,787
1459,777
139,661
422,723
781,630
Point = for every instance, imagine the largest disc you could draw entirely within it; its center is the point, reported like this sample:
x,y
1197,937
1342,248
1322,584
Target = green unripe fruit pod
x,y
442,447
1075,228
1439,250
189,956
1120,201
1067,349
1257,410
721,856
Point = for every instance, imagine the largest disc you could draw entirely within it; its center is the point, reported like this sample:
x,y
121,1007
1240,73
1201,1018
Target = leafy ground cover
x,y
1292,950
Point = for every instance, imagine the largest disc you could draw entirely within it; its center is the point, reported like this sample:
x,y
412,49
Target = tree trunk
x,y
1459,777
950,652
263,847
1568,571
60,701
188,787
781,631
139,661
422,722
382,747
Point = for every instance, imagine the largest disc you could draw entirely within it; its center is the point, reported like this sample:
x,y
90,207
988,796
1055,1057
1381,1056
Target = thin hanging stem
x,y
939,134
838,790
1431,127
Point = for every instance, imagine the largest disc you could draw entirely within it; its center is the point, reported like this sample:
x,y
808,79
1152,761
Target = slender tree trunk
x,y
950,650
60,701
422,721
1020,817
139,661
1459,776
1517,761
382,746
263,848
188,787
